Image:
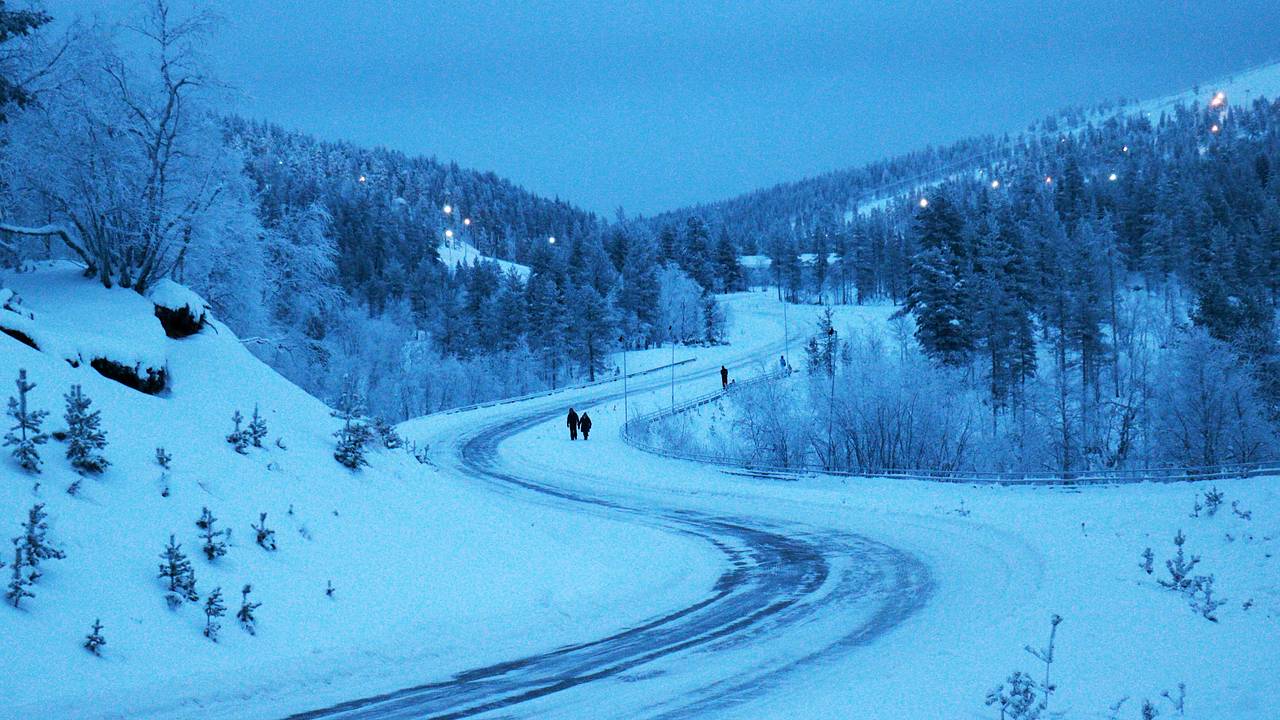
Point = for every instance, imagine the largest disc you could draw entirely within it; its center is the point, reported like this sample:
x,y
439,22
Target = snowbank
x,y
457,252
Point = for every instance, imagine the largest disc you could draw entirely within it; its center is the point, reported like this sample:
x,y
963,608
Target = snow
x,y
438,571
457,252
170,295
433,574
1261,81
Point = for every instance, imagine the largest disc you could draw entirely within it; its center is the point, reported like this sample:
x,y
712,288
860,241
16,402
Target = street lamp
x,y
671,332
626,414
448,209
831,398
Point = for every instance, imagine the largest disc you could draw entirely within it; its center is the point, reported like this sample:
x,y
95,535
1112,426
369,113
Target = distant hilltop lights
x,y
448,209
1219,99
551,240
924,202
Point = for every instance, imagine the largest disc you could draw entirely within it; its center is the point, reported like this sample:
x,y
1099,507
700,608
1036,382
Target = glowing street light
x,y
1219,99
466,221
1124,149
1214,128
1112,177
995,184
924,202
448,233
361,179
448,209
1048,179
551,240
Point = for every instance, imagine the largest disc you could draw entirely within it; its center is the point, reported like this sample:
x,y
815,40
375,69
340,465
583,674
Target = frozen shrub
x,y
176,570
94,641
266,537
213,609
1018,698
163,458
239,437
1202,600
25,434
1148,559
215,545
1179,567
1242,514
245,614
85,439
1212,501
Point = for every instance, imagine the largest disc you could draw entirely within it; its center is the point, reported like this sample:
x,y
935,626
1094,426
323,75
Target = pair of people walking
x,y
576,423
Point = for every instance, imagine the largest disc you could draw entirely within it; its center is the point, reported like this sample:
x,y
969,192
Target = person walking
x,y
724,377
585,425
572,421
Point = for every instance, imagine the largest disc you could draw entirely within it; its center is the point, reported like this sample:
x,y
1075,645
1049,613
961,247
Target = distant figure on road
x,y
585,425
782,363
572,421
724,377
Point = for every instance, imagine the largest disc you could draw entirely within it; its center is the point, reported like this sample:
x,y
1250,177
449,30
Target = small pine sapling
x,y
1113,712
329,589
1045,655
176,570
1212,501
1202,600
1148,561
1179,703
387,434
1149,711
1196,507
245,614
239,438
19,582
1179,567
85,438
34,539
94,641
354,434
215,545
257,430
213,609
266,537
1017,698
25,434
163,458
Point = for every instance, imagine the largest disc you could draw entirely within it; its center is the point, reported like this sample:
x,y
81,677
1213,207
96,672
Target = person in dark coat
x,y
585,425
724,377
572,421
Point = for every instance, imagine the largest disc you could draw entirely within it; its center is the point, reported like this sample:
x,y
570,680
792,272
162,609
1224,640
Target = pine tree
x,y
34,540
239,437
939,296
354,434
266,537
213,609
25,434
257,430
214,540
94,641
728,269
19,582
85,438
245,614
163,458
177,571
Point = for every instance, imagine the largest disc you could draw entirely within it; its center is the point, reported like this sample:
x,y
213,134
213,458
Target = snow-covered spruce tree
x,y
1179,567
1212,501
1017,698
18,582
25,434
176,570
213,609
1201,599
257,429
386,433
94,641
266,537
85,438
354,434
215,545
245,614
239,437
34,539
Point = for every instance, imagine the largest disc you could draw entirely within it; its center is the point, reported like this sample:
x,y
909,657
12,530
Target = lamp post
x,y
831,397
626,414
785,343
671,333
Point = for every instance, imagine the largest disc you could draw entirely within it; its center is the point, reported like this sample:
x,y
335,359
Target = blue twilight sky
x,y
653,105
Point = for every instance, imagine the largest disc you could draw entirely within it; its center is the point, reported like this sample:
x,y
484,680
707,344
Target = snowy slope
x,y
432,575
455,252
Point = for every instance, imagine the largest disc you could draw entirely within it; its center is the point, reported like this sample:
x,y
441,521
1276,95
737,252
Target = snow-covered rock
x,y
180,310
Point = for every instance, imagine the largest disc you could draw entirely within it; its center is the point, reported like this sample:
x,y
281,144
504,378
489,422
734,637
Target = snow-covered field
x,y
432,574
886,599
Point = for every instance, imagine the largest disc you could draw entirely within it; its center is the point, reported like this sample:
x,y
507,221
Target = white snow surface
x,y
455,252
169,294
432,574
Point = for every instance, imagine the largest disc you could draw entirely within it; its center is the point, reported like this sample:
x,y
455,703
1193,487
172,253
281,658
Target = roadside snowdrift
x,y
431,576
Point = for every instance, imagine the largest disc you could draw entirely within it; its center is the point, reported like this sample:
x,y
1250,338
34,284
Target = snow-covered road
x,y
790,592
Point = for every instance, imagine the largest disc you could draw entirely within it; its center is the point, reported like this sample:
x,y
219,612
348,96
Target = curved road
x,y
789,595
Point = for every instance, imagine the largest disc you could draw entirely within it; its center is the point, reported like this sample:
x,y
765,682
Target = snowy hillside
x,y
430,576
455,252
